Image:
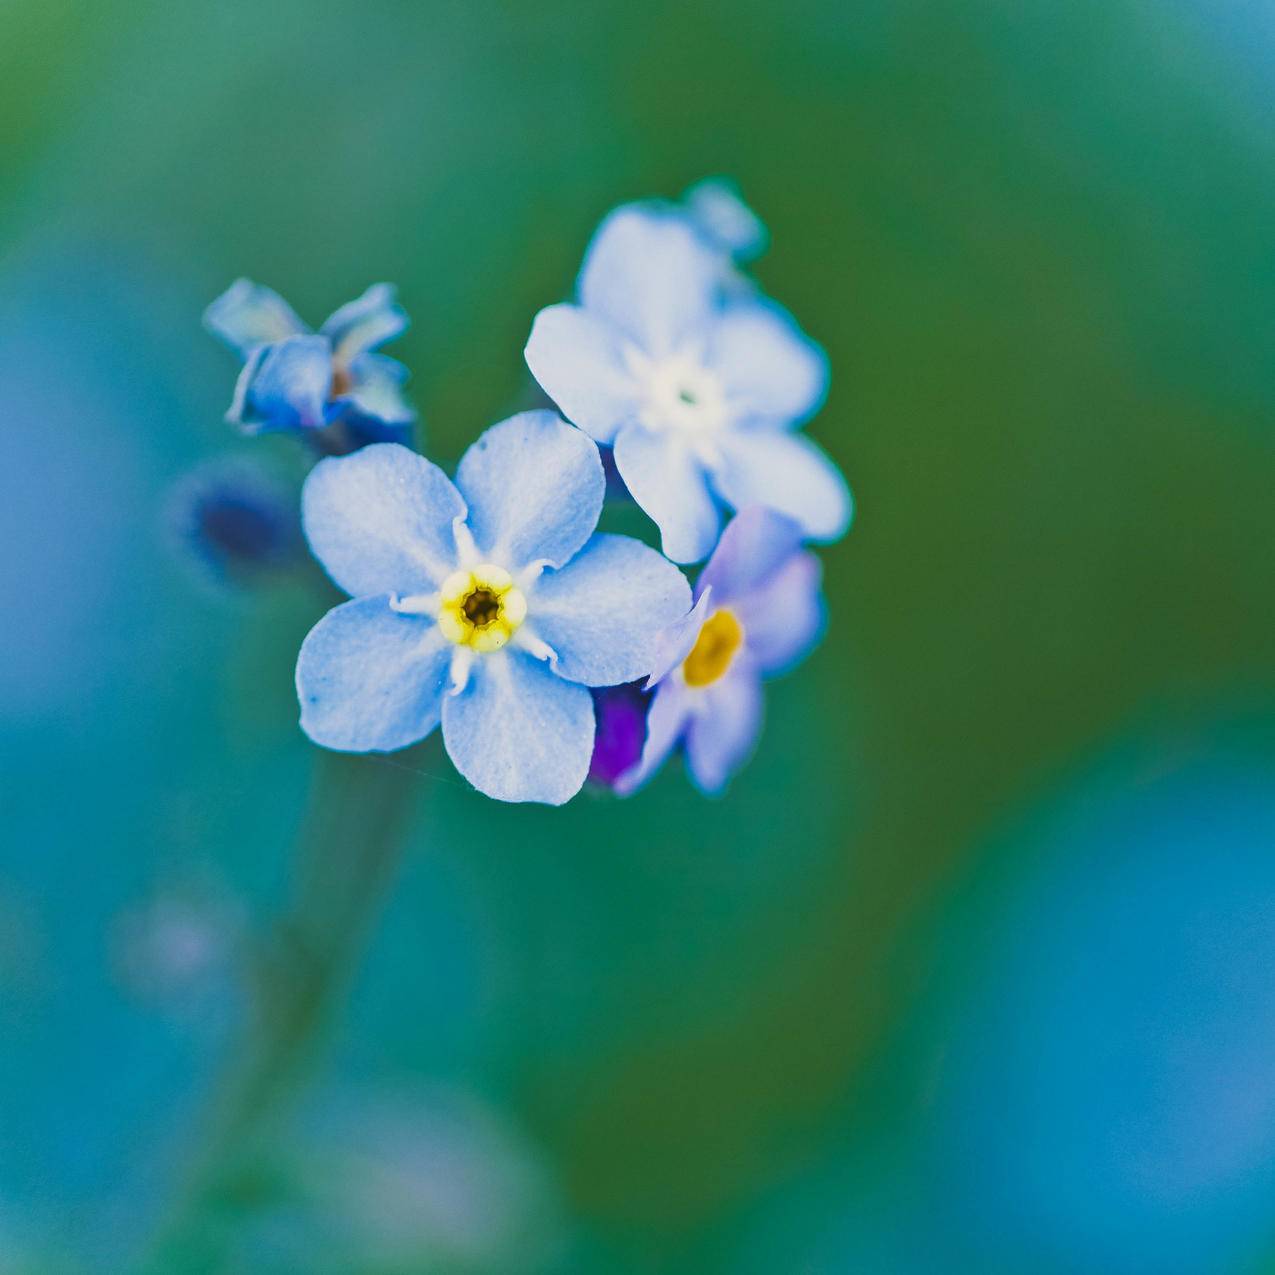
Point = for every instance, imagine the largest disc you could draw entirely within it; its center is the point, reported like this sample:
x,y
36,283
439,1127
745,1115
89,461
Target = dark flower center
x,y
481,607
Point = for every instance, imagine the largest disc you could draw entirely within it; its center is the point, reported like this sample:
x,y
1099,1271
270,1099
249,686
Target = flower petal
x,y
284,386
676,642
788,473
667,480
783,618
518,732
755,544
375,396
381,520
603,612
648,272
365,323
720,213
534,486
577,358
770,369
370,679
724,729
248,314
665,725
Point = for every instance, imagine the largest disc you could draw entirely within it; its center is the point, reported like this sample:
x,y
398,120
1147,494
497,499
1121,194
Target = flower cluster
x,y
490,605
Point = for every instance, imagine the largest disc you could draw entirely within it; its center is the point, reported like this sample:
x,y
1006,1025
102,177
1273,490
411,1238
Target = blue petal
x,y
665,724
788,473
719,211
534,486
363,324
382,520
603,612
247,315
518,732
755,544
770,370
577,358
676,642
668,482
783,618
650,274
284,386
370,679
723,729
376,392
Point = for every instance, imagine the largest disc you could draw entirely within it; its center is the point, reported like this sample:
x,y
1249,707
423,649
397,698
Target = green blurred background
x,y
970,970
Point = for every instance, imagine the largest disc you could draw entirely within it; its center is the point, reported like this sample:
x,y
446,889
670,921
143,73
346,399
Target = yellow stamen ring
x,y
714,649
481,608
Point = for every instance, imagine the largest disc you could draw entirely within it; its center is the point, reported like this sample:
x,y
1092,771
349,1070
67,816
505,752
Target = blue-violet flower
x,y
489,605
698,389
328,385
234,523
758,611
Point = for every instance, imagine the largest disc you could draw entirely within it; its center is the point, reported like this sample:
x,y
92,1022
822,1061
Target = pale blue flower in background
x,y
699,390
328,384
488,605
758,611
719,212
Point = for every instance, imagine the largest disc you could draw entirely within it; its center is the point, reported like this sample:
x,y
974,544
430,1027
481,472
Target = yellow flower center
x,y
714,649
481,608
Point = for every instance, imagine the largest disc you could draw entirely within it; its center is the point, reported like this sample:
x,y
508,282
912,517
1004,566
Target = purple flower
x,y
621,729
758,611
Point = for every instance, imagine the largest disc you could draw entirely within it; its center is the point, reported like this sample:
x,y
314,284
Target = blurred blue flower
x,y
720,214
697,390
758,611
327,385
233,523
489,605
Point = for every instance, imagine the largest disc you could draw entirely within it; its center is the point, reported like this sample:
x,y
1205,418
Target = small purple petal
x,y
621,731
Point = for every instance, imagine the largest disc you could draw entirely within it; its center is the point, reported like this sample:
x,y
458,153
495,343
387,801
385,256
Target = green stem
x,y
348,854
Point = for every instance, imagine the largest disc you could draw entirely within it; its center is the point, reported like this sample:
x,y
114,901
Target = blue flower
x,y
720,214
699,390
328,385
489,605
758,611
234,523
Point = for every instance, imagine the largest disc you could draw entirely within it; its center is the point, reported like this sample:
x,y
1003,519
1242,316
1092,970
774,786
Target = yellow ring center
x,y
481,608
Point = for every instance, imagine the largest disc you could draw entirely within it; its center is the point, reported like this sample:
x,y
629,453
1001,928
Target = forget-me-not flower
x,y
719,211
698,389
758,611
489,604
234,523
295,379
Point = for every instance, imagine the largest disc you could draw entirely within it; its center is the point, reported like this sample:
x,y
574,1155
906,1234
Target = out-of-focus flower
x,y
327,385
233,523
758,611
719,211
179,947
697,390
410,1178
621,730
490,605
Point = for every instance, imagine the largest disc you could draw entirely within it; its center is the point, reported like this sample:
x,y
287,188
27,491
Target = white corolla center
x,y
679,393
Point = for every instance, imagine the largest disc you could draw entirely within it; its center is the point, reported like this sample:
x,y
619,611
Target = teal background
x,y
968,971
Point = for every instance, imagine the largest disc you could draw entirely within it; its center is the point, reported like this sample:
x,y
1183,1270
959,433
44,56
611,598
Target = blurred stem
x,y
348,854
